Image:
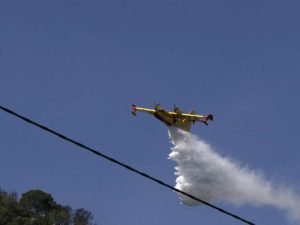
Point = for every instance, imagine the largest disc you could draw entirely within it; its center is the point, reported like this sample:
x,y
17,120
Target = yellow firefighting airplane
x,y
176,118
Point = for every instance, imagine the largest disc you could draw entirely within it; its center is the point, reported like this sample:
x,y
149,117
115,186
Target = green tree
x,y
60,215
39,208
9,207
82,217
37,203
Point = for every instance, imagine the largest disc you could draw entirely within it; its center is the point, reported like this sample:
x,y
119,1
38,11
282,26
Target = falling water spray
x,y
204,173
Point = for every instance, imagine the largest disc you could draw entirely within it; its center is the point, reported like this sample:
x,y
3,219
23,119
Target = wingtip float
x,y
174,118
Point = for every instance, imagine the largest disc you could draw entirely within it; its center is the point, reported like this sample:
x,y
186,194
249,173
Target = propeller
x,y
193,112
156,105
175,108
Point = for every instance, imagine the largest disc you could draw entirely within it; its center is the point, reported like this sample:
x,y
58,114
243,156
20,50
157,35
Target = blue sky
x,y
77,66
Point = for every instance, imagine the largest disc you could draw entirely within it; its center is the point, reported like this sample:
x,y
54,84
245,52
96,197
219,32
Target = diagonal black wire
x,y
121,164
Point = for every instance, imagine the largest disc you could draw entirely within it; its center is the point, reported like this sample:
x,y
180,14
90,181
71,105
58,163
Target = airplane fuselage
x,y
170,120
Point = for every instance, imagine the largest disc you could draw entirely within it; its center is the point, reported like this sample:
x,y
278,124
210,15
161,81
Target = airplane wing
x,y
134,109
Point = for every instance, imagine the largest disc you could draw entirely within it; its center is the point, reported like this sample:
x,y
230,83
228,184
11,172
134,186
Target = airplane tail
x,y
208,117
133,109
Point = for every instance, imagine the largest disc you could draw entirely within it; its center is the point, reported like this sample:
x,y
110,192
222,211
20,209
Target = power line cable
x,y
126,166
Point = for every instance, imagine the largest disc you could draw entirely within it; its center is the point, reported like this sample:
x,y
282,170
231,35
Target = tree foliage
x,y
39,208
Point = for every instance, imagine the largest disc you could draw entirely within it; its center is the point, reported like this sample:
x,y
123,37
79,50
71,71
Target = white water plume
x,y
207,175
